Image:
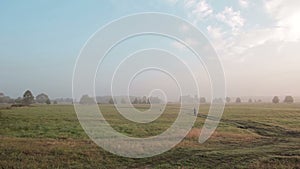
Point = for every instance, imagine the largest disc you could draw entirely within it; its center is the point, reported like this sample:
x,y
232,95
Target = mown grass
x,y
248,136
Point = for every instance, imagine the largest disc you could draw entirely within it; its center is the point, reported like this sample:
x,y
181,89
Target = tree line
x,y
86,99
27,99
275,100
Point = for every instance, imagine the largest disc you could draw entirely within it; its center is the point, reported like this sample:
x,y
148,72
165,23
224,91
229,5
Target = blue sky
x,y
256,40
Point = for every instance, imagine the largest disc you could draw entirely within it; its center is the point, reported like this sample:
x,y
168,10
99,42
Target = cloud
x,y
286,28
287,16
236,43
263,54
217,37
215,32
171,1
202,10
244,3
178,45
193,43
198,10
231,18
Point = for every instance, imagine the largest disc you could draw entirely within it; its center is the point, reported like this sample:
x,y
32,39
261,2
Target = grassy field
x,y
248,136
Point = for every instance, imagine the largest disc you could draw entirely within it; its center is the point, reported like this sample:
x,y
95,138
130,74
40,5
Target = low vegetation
x,y
248,136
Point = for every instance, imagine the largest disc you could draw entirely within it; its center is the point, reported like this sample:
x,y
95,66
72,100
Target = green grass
x,y
248,136
41,122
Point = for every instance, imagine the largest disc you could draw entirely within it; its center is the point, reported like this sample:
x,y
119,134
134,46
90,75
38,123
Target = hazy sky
x,y
258,41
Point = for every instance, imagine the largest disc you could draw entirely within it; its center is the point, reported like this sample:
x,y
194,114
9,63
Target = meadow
x,y
254,135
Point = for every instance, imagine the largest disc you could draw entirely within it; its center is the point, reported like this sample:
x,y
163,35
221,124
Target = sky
x,y
257,41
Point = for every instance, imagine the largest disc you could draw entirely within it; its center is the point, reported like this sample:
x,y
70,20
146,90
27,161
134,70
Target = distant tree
x,y
123,101
48,101
28,98
85,99
11,101
54,102
135,101
202,100
111,101
238,100
250,101
218,100
144,100
155,100
288,99
275,99
19,100
148,101
5,99
228,99
42,98
2,97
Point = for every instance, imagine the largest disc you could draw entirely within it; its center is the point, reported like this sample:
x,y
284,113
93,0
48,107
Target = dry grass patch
x,y
195,133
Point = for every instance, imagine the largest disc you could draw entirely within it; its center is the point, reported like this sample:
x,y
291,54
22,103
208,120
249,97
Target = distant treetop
x,y
275,99
28,98
288,99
